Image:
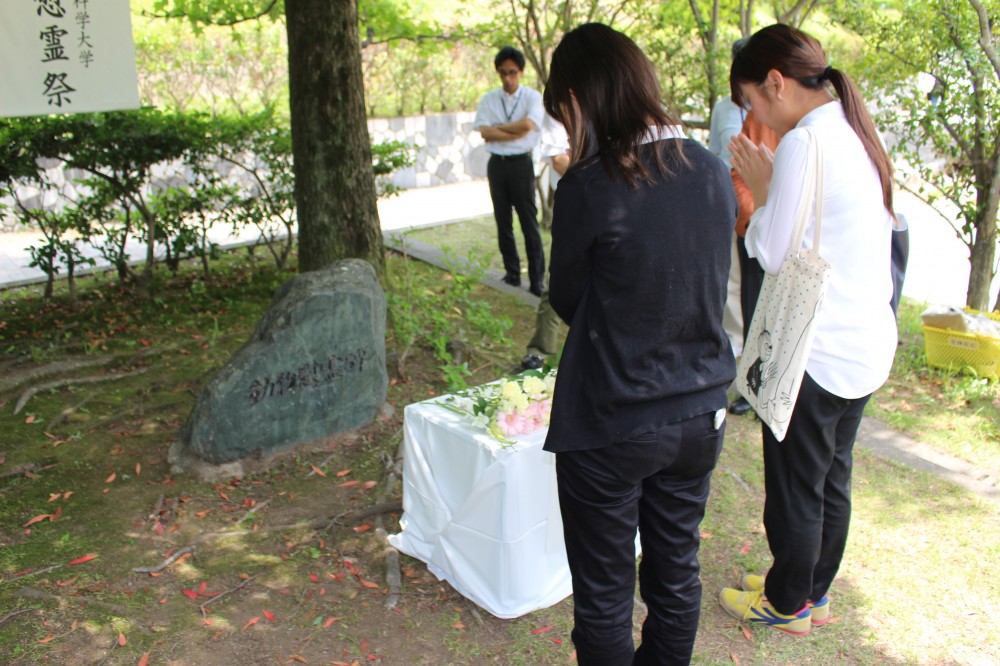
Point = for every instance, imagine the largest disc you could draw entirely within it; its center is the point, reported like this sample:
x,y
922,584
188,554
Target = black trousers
x,y
512,188
807,510
751,279
658,483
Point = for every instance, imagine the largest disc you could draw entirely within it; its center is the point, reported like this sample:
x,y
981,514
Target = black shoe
x,y
512,280
536,289
532,362
739,407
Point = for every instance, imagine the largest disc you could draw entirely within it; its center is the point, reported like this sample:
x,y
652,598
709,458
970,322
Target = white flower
x,y
534,387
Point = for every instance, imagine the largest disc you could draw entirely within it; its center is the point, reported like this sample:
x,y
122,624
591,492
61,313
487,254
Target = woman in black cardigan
x,y
640,257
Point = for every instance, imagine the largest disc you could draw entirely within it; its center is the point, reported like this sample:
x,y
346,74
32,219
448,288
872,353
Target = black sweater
x,y
640,277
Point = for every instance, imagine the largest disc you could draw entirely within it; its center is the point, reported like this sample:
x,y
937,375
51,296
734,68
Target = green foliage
x,y
387,157
939,92
240,70
445,316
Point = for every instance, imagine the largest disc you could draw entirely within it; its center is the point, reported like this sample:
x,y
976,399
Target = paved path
x,y
938,274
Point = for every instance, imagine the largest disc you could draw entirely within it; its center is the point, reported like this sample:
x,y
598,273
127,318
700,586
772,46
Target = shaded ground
x,y
282,573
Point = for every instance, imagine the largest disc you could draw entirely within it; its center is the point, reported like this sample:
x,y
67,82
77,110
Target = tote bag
x,y
784,323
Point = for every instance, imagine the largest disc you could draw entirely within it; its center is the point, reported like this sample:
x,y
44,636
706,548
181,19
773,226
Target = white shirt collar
x,y
659,133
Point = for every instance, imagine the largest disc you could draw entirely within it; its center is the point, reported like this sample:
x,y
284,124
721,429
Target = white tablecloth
x,y
484,518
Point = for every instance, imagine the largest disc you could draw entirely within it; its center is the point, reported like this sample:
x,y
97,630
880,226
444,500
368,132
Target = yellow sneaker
x,y
753,607
820,609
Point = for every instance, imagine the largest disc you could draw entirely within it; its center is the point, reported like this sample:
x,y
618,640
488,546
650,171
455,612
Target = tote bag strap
x,y
813,174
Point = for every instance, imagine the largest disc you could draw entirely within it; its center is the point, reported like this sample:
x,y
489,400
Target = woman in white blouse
x,y
782,74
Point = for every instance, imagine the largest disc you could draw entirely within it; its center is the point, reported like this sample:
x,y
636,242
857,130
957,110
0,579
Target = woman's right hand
x,y
754,164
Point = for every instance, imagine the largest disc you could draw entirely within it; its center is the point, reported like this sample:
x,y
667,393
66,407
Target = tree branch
x,y
986,35
230,22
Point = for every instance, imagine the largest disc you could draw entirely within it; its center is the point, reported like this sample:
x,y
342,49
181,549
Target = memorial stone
x,y
315,366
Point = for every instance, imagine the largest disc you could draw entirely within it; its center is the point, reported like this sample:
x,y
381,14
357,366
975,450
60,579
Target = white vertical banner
x,y
66,56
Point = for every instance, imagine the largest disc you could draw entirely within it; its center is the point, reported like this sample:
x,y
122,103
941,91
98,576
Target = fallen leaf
x,y
55,516
111,478
269,616
46,639
158,527
81,560
224,496
363,528
368,583
314,578
328,622
144,660
30,419
347,484
368,484
340,663
67,494
202,587
744,549
122,641
64,583
746,633
542,630
458,625
252,621
557,641
343,472
735,659
54,496
190,594
202,514
32,475
317,470
163,600
37,519
138,469
297,658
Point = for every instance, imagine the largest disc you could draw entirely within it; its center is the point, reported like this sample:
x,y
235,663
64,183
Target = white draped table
x,y
484,518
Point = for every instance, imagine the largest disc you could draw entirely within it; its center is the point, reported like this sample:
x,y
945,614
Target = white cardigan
x,y
856,335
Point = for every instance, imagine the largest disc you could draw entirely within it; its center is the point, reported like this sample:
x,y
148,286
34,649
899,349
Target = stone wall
x,y
447,150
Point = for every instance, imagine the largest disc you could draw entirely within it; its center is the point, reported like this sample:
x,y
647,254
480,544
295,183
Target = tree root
x,y
61,416
26,396
393,578
13,379
8,616
120,611
167,562
230,591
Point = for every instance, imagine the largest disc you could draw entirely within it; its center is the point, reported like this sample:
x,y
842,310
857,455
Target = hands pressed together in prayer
x,y
754,164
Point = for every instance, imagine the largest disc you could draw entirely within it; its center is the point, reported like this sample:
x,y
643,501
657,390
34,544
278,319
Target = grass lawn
x,y
273,579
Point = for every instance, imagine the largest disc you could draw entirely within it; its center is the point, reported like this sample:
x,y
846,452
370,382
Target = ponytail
x,y
861,121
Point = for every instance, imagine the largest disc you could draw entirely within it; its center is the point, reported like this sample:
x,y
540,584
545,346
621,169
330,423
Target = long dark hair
x,y
615,86
799,56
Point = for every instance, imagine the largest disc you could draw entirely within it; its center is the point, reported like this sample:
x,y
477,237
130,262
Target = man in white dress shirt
x,y
509,119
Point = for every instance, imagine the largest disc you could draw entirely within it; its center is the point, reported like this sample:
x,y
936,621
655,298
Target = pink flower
x,y
511,424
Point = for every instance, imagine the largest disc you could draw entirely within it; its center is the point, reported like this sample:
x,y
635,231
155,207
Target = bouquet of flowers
x,y
510,407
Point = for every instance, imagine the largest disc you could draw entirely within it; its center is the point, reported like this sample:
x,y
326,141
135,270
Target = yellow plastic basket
x,y
968,352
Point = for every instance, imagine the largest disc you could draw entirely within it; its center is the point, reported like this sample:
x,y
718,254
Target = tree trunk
x,y
981,257
334,183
